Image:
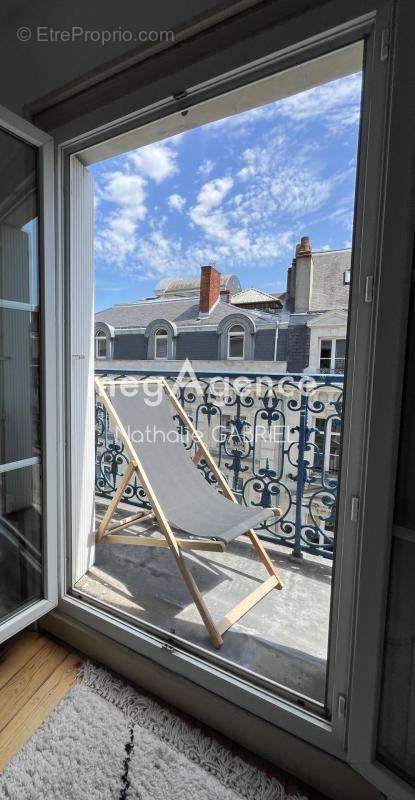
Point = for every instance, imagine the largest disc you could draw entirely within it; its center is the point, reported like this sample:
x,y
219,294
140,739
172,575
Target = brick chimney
x,y
303,275
209,289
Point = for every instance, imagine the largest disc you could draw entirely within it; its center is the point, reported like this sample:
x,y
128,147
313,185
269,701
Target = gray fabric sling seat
x,y
188,501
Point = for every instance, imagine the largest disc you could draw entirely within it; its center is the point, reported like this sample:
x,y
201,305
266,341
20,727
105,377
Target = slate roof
x,y
184,312
329,291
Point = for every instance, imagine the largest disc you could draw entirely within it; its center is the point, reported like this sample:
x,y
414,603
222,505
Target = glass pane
x,y
21,546
236,346
277,439
100,347
339,361
161,346
325,355
340,348
19,385
18,222
20,538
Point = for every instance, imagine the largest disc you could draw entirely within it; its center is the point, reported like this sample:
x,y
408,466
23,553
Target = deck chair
x,y
179,496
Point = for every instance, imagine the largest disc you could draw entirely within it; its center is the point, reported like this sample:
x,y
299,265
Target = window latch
x,y
341,706
354,509
384,44
369,289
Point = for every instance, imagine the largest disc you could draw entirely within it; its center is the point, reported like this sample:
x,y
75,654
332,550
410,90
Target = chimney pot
x,y
304,248
209,288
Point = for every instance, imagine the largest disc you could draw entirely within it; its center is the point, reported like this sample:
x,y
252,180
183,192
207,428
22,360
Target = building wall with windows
x,y
198,320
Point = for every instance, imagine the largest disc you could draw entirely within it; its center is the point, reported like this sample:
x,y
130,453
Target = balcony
x,y
276,439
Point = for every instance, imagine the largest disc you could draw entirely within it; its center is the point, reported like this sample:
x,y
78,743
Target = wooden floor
x,y
35,673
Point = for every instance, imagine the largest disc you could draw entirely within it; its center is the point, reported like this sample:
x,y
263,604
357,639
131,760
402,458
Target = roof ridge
x,y
337,250
149,301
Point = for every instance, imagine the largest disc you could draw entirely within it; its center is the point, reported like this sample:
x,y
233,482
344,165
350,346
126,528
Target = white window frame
x,y
333,354
158,336
370,231
233,334
13,124
100,336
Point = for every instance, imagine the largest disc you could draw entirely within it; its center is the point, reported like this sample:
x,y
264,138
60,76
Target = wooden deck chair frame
x,y
177,545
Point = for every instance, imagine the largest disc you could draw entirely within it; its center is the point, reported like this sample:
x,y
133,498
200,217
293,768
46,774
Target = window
x,y
100,345
346,277
256,466
160,344
236,342
327,453
332,355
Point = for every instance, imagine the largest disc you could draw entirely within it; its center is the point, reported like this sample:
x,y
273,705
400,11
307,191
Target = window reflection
x,y
21,560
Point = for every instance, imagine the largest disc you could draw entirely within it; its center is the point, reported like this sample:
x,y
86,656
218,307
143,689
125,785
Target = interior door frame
x,y
328,735
19,127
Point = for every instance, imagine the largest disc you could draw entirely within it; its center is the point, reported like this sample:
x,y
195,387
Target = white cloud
x,y
126,191
303,192
206,167
176,201
156,161
207,213
336,103
117,238
249,218
160,255
246,173
212,193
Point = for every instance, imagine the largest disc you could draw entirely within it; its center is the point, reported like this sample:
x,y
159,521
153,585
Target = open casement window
x,y
28,469
81,340
160,344
236,342
336,730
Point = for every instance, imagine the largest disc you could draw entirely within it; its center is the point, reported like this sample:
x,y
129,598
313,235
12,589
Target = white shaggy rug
x,y
106,741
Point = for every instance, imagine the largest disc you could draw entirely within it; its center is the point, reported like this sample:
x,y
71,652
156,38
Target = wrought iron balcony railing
x,y
275,437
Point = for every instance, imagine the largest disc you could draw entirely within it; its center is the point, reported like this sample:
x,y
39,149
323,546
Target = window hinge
x,y
369,289
384,44
354,509
341,706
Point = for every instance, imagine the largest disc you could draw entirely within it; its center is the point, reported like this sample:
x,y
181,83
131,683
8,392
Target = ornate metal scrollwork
x,y
276,438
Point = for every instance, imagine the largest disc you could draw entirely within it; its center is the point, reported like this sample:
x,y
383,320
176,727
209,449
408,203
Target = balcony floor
x,y
283,638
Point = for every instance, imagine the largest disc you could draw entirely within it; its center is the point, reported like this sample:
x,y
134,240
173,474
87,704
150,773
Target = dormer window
x,y
100,344
160,344
236,342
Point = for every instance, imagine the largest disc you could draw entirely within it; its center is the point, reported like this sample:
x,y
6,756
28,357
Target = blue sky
x,y
237,193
